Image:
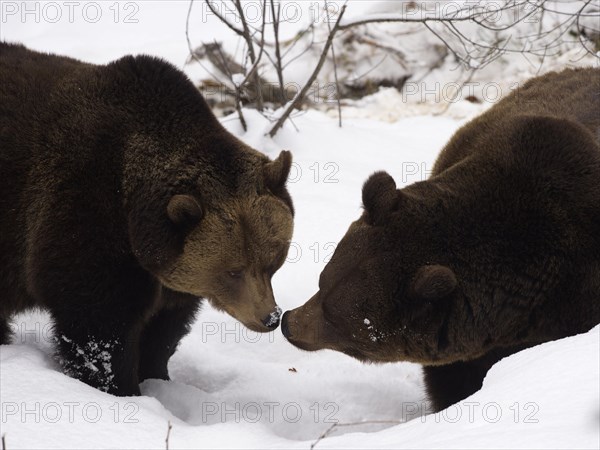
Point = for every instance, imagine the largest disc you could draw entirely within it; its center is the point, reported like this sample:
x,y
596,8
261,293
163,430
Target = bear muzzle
x,y
260,324
272,320
285,329
303,326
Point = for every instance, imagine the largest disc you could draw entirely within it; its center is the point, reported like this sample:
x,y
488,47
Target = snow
x,y
274,316
543,397
233,388
238,78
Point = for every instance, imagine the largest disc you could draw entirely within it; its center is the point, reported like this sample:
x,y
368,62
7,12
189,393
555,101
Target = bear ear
x,y
184,210
433,282
379,196
277,171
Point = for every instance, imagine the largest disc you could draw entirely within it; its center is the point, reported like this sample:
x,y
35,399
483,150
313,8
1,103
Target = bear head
x,y
206,214
220,239
387,291
232,250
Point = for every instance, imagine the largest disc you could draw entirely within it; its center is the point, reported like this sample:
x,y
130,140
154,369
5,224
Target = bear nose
x,y
272,320
284,325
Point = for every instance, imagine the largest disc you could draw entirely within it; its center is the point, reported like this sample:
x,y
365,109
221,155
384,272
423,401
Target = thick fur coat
x,y
123,201
499,250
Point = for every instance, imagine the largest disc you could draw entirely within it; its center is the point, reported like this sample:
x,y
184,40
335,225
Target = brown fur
x,y
122,202
499,250
235,240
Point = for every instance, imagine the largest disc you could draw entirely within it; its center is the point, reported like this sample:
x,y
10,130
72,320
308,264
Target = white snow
x,y
274,316
238,78
233,388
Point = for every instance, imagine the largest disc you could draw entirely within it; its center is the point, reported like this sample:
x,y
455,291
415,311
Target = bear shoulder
x,y
571,95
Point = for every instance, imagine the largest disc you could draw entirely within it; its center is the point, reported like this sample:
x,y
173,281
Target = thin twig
x,y
335,73
189,43
238,90
169,426
458,92
332,428
472,51
278,64
300,96
455,17
250,44
480,16
291,43
303,52
223,19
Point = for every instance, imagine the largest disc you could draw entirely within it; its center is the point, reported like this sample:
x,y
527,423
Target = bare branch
x,y
474,35
334,426
169,426
303,52
222,18
192,54
292,42
237,87
250,44
335,74
278,64
399,18
300,96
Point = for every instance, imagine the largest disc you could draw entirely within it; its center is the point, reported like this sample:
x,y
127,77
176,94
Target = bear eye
x,y
236,274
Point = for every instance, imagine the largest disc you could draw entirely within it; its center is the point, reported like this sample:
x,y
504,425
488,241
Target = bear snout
x,y
303,327
272,320
284,325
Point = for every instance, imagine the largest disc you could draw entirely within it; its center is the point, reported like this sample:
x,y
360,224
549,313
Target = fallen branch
x,y
332,428
169,426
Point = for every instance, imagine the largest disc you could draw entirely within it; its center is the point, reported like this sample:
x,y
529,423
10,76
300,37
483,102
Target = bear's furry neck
x,y
526,222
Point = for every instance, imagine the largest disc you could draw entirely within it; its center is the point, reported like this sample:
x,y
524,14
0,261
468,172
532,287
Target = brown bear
x,y
497,251
123,203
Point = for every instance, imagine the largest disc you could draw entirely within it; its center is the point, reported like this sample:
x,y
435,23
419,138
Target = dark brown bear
x,y
123,201
499,250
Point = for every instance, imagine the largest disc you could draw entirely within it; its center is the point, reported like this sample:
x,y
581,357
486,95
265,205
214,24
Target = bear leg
x,y
103,355
97,331
451,383
163,331
5,331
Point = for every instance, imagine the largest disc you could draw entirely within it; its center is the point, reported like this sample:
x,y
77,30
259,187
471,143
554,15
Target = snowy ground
x,y
232,388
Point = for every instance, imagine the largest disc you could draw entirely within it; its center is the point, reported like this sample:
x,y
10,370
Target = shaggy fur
x,y
123,201
498,251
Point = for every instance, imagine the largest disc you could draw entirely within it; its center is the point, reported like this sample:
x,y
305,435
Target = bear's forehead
x,y
261,249
260,227
264,214
264,234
